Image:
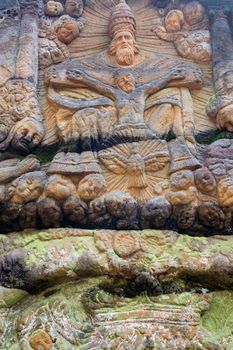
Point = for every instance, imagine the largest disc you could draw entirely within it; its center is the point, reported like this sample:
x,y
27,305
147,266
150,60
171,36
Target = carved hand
x,y
50,74
157,29
178,73
75,74
180,35
28,164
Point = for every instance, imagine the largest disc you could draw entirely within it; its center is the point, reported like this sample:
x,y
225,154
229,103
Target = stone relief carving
x,y
124,122
187,28
115,121
61,26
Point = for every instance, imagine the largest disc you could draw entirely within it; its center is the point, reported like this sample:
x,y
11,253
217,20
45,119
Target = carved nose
x,y
28,137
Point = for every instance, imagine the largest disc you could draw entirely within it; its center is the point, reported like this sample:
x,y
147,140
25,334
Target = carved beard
x,y
125,55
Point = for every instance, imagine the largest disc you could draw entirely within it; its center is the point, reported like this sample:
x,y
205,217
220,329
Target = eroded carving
x,y
117,120
122,122
187,29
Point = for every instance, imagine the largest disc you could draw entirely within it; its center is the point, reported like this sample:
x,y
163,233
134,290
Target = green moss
x,y
170,136
217,322
212,98
46,155
211,136
9,297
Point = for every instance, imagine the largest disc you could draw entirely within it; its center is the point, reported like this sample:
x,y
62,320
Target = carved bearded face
x,y
74,7
125,82
27,136
124,47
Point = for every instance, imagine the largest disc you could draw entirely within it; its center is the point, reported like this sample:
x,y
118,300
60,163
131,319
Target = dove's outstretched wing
x,y
156,161
113,161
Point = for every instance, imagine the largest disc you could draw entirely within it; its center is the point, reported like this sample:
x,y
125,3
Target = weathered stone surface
x,y
111,92
88,284
116,121
33,260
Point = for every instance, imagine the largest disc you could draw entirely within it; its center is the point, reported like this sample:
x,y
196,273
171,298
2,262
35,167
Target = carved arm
x,y
11,172
160,83
161,33
79,76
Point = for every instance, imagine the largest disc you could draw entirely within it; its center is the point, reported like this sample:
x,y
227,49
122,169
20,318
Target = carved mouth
x,y
22,145
124,46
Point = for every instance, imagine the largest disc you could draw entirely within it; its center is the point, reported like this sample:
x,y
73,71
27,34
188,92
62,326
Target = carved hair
x,y
179,14
196,4
120,72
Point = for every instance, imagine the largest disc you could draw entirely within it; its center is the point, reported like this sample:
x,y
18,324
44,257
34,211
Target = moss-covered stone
x,y
85,285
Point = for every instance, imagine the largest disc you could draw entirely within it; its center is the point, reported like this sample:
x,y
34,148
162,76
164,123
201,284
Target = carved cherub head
x,y
74,7
91,187
67,28
194,12
224,118
28,215
182,180
54,8
125,80
25,135
211,215
59,187
27,187
156,211
49,212
174,21
195,46
120,204
75,209
205,181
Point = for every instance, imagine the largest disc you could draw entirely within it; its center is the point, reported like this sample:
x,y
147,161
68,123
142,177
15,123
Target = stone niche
x,y
116,174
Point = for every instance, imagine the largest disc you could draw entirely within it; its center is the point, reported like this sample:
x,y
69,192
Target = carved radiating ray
x,y
116,165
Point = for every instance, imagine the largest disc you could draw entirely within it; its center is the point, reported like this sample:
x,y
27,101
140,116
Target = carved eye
x,y
36,138
23,132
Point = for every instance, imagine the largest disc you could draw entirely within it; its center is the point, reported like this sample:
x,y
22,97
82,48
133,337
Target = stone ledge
x,y
35,260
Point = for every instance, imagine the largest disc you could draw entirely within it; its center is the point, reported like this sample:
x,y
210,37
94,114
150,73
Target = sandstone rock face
x,y
70,288
116,174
